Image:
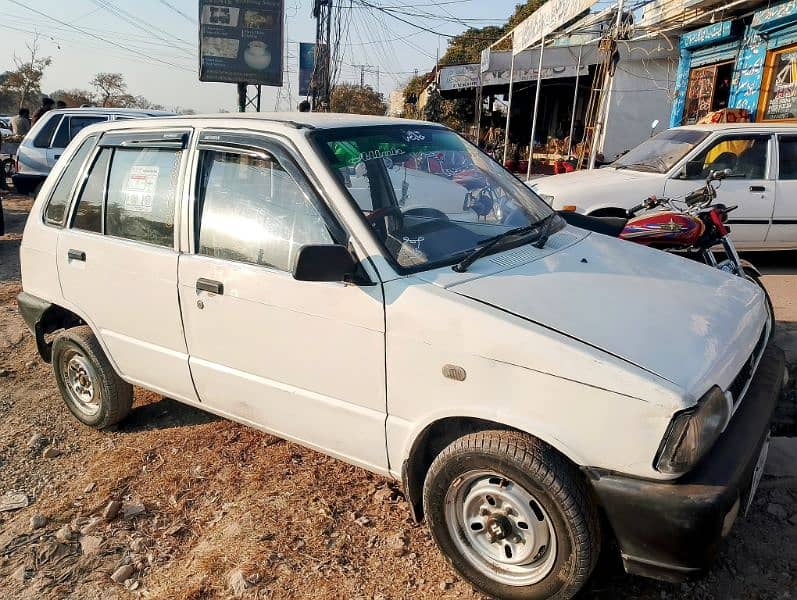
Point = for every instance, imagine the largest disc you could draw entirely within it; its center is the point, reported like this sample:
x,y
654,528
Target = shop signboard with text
x,y
241,41
546,20
462,77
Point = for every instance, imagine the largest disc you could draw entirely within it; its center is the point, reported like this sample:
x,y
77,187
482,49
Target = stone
x,y
20,574
51,452
13,501
397,545
385,495
91,526
777,510
36,440
123,573
237,582
443,586
111,510
64,534
90,544
137,545
363,521
38,521
131,509
89,488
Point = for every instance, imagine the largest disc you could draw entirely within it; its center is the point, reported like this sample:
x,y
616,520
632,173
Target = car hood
x,y
690,324
589,181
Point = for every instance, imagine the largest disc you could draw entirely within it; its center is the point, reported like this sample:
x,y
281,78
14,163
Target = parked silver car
x,y
45,142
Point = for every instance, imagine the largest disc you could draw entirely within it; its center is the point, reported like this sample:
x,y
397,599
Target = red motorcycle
x,y
693,226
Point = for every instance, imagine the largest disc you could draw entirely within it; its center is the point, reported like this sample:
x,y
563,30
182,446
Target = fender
x,y
750,268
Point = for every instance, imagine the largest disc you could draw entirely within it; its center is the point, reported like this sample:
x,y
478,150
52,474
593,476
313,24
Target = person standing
x,y
20,125
47,105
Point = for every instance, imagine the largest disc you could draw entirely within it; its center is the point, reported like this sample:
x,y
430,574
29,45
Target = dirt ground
x,y
212,509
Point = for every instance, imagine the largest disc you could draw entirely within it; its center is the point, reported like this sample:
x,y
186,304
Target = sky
x,y
162,64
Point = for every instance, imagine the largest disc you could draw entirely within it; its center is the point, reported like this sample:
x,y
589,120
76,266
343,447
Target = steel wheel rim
x,y
79,379
500,528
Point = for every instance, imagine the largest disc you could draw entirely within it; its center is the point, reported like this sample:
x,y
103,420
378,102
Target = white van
x,y
519,376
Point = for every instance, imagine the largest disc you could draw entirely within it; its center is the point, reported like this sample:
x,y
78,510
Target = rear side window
x,y
55,214
45,135
788,158
88,212
142,189
70,127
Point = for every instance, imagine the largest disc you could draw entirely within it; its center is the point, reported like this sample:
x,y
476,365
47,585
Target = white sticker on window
x,y
142,181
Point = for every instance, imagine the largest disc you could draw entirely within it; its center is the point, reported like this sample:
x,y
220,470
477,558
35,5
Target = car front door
x,y
304,360
750,187
117,256
783,231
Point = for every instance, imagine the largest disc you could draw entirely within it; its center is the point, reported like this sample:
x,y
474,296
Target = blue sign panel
x,y
306,67
746,85
769,18
706,35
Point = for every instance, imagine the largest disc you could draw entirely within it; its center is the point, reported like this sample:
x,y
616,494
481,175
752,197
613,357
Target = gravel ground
x,y
206,508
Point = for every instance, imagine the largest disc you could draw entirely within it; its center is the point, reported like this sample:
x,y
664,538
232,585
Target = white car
x,y
519,377
45,142
762,158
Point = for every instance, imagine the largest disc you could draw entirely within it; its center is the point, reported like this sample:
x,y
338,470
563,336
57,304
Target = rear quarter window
x,y
55,213
45,134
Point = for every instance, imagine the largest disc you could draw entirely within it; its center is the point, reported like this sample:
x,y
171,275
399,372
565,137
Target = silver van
x,y
45,142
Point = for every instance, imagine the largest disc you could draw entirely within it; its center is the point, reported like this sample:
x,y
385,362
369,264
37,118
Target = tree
x,y
73,97
111,88
24,83
355,99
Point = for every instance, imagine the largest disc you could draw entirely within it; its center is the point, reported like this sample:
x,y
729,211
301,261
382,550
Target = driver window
x,y
745,156
249,209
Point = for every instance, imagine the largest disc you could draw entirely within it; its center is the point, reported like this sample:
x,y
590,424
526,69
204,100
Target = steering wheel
x,y
378,219
427,213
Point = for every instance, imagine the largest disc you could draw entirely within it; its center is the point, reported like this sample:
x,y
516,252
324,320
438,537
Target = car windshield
x,y
660,153
430,196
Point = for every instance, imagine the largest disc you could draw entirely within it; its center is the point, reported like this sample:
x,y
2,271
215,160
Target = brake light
x,y
717,220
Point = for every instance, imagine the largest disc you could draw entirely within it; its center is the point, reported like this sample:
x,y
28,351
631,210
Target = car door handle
x,y
208,285
757,188
76,255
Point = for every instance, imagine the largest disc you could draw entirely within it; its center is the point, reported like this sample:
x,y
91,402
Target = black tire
x,y
554,482
111,396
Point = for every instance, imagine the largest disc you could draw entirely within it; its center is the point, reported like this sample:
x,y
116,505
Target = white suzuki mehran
x,y
383,292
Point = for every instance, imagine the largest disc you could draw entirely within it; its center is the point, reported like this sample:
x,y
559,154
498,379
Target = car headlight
x,y
547,198
693,432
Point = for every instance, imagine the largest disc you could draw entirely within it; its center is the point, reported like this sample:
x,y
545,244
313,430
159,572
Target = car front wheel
x,y
91,388
512,516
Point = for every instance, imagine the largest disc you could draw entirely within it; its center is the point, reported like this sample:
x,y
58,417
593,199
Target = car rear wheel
x,y
91,388
512,516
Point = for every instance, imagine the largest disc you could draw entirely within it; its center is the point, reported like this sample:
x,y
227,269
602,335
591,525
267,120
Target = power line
x,y
178,11
100,38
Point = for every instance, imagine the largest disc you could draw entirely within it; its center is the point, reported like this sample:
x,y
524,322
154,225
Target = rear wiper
x,y
486,245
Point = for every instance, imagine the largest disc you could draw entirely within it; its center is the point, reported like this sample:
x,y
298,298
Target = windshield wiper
x,y
486,245
547,228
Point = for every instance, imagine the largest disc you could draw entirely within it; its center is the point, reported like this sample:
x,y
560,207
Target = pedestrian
x,y
20,125
47,105
60,104
304,106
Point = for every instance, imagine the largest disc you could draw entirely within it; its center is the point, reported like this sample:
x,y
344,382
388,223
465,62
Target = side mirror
x,y
332,262
691,170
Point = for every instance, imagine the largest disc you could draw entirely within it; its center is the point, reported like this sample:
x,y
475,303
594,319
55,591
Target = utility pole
x,y
321,85
363,69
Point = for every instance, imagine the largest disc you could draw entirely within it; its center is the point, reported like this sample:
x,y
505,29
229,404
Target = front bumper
x,y
669,530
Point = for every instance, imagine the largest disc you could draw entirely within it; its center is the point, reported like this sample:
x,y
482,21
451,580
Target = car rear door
x,y
783,231
305,360
117,256
751,186
69,127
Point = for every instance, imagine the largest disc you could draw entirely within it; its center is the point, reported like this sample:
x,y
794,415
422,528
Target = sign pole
x,y
509,107
536,107
575,101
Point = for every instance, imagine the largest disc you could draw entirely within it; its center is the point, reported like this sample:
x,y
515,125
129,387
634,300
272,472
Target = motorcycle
x,y
693,226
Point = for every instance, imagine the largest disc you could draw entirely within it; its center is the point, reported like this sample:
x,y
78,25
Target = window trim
x,y
766,84
252,142
78,182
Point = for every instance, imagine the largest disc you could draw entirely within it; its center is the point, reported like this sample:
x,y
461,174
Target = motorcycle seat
x,y
611,226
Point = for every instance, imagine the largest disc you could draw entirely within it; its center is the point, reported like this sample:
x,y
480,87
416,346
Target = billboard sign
x,y
241,41
306,67
546,20
463,77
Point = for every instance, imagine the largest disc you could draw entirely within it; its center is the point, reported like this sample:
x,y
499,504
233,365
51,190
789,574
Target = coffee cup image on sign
x,y
221,47
258,20
224,16
257,56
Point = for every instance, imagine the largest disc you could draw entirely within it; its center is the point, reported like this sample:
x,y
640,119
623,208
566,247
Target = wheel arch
x,y
439,433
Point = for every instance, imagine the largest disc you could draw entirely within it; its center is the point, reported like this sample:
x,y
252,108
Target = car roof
x,y
286,120
743,126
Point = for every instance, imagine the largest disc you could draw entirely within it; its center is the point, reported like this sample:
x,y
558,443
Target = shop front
x,y
748,64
